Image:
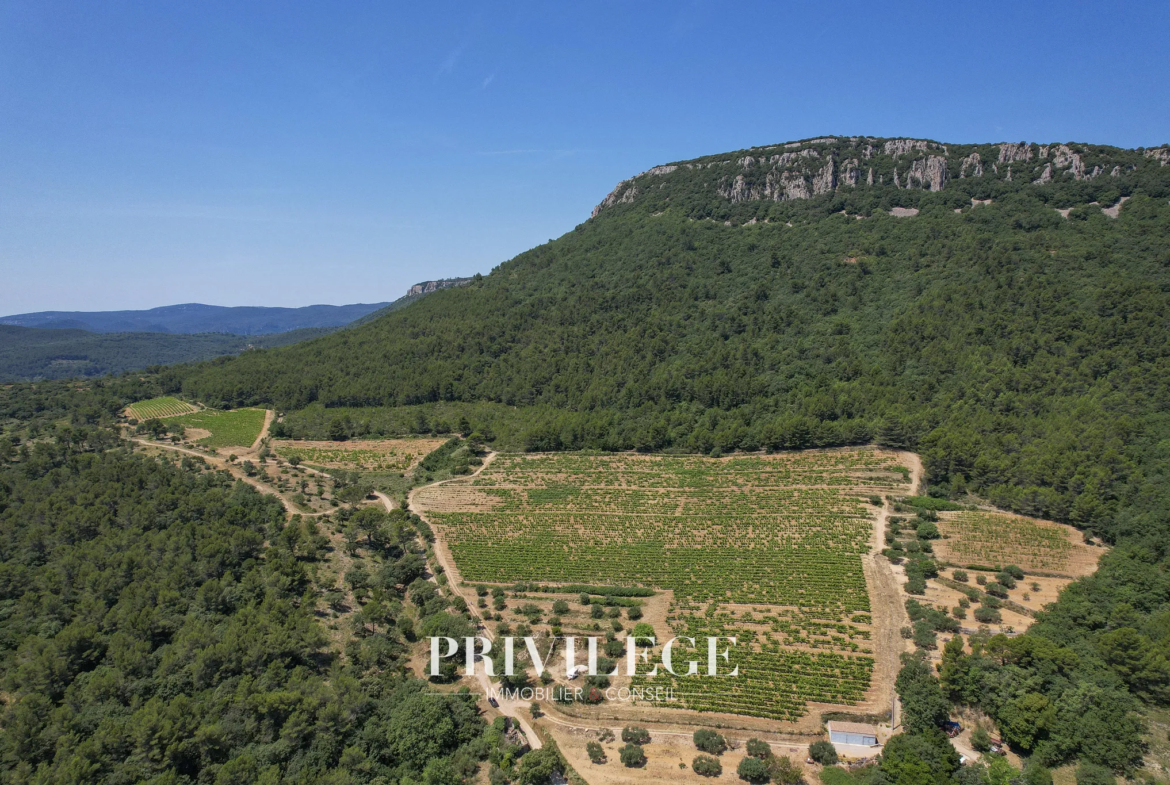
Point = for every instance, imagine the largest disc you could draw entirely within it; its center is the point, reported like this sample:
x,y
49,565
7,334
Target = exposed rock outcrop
x,y
817,167
624,193
1063,157
427,287
1161,154
789,185
737,191
896,147
972,163
826,179
851,174
929,173
1012,151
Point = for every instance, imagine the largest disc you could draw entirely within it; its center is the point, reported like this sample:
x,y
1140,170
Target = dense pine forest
x,y
1004,312
156,625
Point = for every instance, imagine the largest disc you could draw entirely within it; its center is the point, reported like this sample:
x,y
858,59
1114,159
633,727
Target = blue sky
x,y
264,153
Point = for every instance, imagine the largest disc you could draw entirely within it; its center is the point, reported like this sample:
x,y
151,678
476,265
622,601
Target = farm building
x,y
854,733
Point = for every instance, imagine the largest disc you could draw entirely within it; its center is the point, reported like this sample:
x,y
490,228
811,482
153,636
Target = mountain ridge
x,y
849,166
192,318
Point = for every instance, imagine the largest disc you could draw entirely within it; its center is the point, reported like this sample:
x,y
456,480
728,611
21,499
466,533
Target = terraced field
x,y
159,407
767,548
373,455
995,539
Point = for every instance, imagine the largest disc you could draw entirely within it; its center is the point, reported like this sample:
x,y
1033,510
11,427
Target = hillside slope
x,y
1021,350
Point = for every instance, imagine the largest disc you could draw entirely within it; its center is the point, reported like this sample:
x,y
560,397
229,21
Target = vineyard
x,y
995,539
237,428
766,548
380,455
159,407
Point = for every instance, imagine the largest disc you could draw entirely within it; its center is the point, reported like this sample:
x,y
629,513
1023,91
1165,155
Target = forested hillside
x,y
157,624
1023,352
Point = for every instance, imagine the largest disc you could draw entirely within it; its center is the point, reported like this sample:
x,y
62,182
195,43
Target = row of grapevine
x,y
766,548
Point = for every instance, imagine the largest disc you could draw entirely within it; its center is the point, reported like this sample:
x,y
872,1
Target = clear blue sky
x,y
283,153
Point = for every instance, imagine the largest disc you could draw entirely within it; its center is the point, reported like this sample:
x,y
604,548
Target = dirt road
x,y
239,474
509,708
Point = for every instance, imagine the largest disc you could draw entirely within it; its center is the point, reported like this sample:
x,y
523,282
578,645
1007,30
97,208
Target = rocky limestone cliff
x,y
427,287
812,168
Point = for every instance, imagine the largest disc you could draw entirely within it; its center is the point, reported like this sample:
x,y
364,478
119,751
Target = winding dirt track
x,y
221,463
508,708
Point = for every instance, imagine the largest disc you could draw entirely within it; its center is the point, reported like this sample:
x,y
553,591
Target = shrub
x,y
783,771
584,599
560,607
753,770
960,576
758,749
1005,579
981,580
924,635
596,612
823,752
985,615
1014,571
595,752
959,612
835,775
635,735
981,740
642,630
928,531
996,590
1092,774
633,613
632,755
706,766
916,584
709,741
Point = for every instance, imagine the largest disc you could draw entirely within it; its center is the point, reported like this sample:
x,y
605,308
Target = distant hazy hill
x,y
33,354
198,318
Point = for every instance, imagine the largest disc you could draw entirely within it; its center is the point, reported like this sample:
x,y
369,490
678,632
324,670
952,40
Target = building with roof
x,y
854,734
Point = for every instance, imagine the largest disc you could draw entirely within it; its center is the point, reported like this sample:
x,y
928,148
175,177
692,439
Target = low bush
x,y
823,752
709,741
706,766
632,755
